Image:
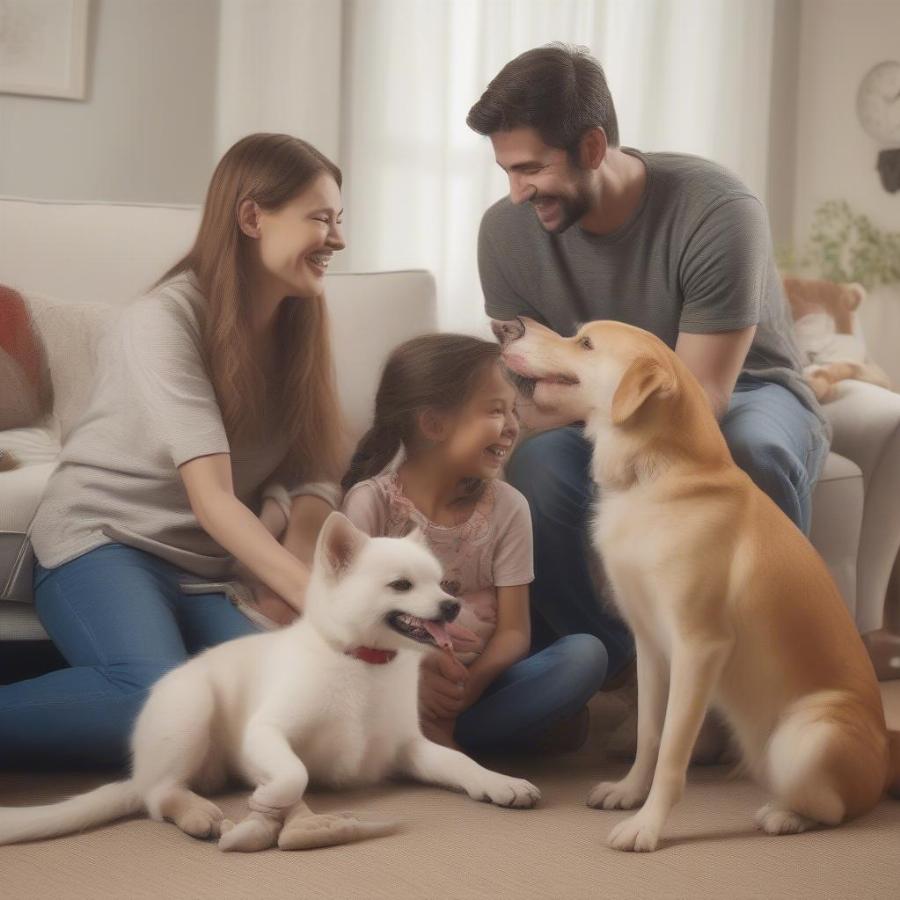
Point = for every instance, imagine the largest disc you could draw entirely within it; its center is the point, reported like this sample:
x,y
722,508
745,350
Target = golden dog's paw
x,y
617,795
635,833
309,831
774,819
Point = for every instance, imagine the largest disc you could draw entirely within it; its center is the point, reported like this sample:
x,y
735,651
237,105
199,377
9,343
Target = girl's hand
x,y
442,686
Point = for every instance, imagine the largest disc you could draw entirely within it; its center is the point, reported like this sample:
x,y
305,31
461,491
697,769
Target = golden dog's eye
x,y
586,343
401,585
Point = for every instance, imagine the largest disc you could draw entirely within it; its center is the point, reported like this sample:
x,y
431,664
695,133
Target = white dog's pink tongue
x,y
439,633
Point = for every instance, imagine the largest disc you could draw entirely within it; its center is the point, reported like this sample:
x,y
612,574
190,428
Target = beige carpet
x,y
452,847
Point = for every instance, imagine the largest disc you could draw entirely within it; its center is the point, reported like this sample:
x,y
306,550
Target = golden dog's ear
x,y
644,377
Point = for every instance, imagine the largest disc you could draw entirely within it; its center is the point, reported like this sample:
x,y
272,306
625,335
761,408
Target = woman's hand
x,y
231,524
272,606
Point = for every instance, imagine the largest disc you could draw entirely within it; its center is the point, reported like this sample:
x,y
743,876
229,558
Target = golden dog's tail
x,y
893,779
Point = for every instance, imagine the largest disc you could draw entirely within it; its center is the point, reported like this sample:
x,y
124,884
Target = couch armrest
x,y
837,511
866,422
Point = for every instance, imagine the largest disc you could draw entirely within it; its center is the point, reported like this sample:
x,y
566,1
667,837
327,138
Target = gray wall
x,y
783,121
145,132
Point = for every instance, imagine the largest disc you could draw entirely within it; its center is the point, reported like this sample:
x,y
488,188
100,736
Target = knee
x,y
136,679
581,659
773,467
552,471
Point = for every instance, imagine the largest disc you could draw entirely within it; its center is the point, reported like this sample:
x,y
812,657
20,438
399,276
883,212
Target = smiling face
x,y
607,368
481,435
383,593
296,241
544,176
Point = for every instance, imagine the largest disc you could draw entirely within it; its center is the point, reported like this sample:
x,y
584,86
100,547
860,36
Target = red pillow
x,y
24,379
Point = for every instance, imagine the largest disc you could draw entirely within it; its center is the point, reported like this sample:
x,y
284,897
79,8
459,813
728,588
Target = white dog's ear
x,y
338,545
643,378
416,535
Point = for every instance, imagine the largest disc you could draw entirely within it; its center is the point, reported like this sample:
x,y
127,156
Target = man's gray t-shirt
x,y
696,256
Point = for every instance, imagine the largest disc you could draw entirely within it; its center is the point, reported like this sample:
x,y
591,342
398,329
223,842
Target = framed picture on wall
x,y
43,47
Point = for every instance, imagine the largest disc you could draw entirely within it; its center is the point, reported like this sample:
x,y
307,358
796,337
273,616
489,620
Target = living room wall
x,y
840,40
144,133
171,84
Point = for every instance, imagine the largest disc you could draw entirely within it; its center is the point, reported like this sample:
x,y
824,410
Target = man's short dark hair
x,y
558,90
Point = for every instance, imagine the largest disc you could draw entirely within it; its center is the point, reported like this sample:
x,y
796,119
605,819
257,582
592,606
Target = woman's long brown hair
x,y
300,392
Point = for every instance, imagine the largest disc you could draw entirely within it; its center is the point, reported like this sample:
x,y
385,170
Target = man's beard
x,y
571,210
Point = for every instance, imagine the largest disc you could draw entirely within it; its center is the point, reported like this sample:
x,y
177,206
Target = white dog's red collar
x,y
372,655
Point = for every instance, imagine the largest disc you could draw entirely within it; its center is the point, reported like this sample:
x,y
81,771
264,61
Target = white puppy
x,y
331,699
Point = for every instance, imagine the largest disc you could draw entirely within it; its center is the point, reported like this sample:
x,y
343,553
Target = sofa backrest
x,y
110,253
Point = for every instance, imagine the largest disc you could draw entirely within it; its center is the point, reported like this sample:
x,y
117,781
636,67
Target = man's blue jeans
x,y
780,443
119,618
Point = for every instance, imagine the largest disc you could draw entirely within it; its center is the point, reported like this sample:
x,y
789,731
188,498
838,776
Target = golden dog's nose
x,y
507,331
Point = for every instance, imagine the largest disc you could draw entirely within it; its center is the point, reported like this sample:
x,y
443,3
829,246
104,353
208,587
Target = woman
x,y
216,383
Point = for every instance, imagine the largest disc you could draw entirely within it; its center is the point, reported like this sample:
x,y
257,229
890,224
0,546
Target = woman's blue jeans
x,y
118,616
780,443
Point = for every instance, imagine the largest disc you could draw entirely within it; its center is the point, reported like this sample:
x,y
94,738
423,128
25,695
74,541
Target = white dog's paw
x,y
276,796
617,795
635,833
256,832
774,819
504,791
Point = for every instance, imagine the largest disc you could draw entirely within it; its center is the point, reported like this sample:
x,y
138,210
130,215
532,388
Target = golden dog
x,y
729,603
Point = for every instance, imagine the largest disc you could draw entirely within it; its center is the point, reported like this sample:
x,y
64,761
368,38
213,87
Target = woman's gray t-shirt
x,y
696,256
152,408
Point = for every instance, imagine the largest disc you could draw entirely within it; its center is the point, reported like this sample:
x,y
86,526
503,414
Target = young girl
x,y
443,400
215,383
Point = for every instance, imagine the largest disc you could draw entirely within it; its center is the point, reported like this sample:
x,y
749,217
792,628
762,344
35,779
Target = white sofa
x,y
72,262
105,254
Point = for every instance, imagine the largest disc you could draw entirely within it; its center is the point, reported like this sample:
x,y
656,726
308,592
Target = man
x,y
670,243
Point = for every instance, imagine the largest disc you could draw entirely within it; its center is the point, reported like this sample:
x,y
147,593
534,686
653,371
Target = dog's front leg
x,y
652,678
695,670
434,764
281,780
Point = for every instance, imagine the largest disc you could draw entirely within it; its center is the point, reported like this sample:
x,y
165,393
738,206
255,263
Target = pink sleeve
x,y
514,551
365,508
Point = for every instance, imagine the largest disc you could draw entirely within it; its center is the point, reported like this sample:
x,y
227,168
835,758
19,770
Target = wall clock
x,y
878,110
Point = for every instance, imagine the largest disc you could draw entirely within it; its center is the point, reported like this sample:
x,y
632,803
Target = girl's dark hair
x,y
558,90
435,371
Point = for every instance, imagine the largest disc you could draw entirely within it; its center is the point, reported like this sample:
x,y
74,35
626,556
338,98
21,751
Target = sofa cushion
x,y
21,490
70,334
19,622
838,501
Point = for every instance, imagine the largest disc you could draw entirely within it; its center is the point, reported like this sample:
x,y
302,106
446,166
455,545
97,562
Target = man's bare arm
x,y
716,361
